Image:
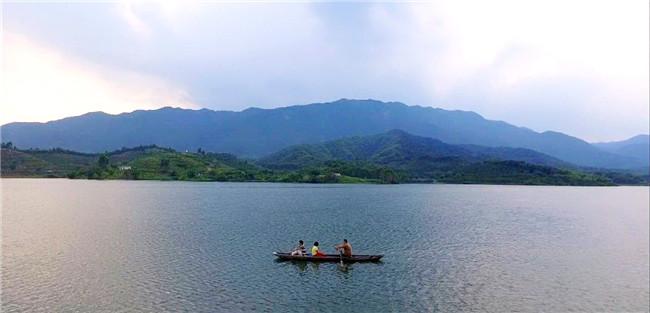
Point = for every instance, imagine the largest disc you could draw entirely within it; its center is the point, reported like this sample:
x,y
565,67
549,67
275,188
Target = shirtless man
x,y
346,247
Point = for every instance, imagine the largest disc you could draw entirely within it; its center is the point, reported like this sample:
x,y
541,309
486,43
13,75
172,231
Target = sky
x,y
579,67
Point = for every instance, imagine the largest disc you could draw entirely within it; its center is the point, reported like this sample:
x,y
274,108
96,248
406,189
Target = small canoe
x,y
328,258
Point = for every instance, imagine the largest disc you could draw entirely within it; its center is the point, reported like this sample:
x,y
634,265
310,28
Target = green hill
x,y
420,159
521,173
43,163
146,162
393,157
156,163
401,150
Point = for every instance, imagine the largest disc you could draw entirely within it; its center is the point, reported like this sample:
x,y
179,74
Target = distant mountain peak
x,y
171,108
398,132
637,147
641,138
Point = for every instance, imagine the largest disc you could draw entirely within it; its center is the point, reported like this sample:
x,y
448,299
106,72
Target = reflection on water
x,y
344,267
304,266
111,246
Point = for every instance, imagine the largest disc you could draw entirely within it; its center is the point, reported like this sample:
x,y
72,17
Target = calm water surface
x,y
113,246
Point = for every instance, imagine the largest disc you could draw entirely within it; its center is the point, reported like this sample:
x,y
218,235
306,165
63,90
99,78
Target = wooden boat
x,y
328,258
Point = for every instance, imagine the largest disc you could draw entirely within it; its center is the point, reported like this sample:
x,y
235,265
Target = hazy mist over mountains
x,y
259,132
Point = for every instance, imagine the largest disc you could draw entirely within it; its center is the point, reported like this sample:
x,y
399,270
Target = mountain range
x,y
255,132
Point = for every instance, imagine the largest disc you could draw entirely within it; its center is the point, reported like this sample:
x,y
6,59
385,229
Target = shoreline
x,y
314,183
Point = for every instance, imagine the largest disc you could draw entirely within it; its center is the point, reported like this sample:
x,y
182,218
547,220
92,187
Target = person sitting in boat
x,y
345,247
300,249
315,251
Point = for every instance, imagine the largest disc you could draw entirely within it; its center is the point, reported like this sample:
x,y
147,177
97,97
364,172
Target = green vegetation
x,y
626,178
403,157
521,173
394,162
340,172
42,163
155,163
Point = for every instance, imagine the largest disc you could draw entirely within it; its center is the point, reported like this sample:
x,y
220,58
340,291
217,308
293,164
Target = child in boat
x,y
300,249
315,251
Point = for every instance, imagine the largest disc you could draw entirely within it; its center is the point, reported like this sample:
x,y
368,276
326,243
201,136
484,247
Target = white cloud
x,y
503,58
525,62
127,11
40,84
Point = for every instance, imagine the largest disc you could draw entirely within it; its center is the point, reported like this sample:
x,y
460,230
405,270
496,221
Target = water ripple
x,y
86,246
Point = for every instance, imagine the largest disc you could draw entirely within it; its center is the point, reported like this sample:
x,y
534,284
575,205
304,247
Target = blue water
x,y
124,246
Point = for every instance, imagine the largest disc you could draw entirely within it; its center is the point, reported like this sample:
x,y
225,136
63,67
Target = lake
x,y
123,246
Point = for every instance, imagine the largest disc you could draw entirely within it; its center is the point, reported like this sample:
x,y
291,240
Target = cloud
x,y
40,84
524,62
127,12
